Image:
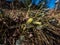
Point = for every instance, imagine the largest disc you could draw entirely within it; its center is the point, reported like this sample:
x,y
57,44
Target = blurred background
x,y
21,4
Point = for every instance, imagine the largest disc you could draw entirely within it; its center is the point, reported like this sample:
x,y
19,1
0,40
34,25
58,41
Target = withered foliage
x,y
33,29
